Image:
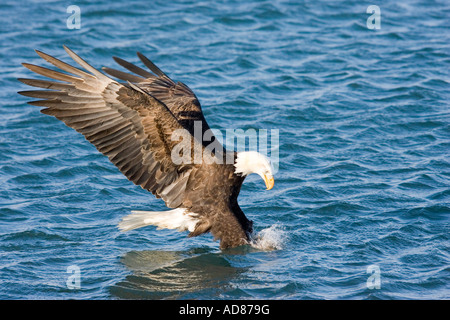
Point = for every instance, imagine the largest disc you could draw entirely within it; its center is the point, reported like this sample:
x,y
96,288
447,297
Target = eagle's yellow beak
x,y
268,179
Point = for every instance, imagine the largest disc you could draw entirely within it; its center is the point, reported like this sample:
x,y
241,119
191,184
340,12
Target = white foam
x,y
272,238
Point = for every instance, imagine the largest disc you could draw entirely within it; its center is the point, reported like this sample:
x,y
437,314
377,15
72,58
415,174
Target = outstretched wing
x,y
177,96
123,122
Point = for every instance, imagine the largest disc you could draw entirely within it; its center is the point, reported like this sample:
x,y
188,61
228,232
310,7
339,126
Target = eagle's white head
x,y
248,162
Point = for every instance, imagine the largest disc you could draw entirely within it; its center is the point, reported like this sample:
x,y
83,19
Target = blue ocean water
x,y
361,203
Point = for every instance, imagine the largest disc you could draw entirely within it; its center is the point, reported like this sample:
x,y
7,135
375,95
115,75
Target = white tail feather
x,y
178,219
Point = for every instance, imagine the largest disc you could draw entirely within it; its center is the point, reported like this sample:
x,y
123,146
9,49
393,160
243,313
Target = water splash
x,y
272,238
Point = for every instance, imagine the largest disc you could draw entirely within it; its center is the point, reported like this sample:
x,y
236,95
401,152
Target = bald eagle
x,y
132,122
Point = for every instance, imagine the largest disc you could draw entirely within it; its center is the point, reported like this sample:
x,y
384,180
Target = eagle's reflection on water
x,y
175,274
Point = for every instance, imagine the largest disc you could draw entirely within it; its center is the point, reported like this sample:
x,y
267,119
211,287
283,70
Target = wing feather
x,y
151,65
133,68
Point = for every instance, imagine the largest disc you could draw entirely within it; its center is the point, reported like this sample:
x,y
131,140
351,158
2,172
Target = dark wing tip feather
x,y
23,93
123,75
49,73
41,103
151,65
133,68
38,93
